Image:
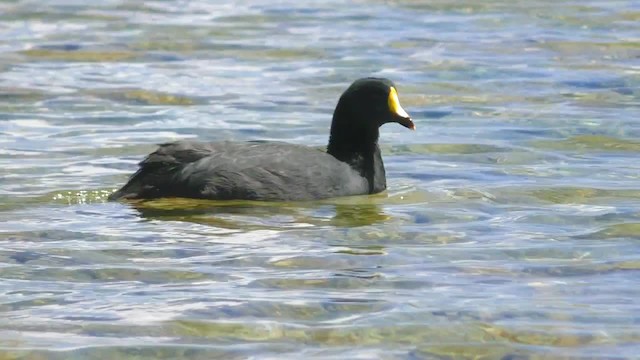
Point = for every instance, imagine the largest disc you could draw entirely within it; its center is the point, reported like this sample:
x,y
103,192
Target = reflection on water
x,y
509,230
244,215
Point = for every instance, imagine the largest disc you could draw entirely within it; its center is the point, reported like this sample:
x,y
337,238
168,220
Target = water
x,y
510,228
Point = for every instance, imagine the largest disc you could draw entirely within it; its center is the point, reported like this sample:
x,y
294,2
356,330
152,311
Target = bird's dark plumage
x,y
352,164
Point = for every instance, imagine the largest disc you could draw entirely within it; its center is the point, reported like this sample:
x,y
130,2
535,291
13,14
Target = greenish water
x,y
510,229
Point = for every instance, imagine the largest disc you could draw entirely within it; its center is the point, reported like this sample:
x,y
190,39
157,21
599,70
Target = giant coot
x,y
352,164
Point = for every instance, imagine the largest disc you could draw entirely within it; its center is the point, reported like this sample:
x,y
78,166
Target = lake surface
x,y
510,228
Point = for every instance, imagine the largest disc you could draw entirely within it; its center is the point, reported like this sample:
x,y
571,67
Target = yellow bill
x,y
396,109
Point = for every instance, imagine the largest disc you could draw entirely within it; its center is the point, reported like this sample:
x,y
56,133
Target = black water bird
x,y
276,171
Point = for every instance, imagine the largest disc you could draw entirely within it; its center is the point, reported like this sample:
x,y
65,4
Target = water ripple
x,y
509,229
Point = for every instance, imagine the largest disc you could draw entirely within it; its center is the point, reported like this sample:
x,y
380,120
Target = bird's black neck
x,y
353,142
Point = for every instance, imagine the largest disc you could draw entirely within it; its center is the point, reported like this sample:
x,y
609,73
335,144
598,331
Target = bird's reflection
x,y
358,215
253,215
